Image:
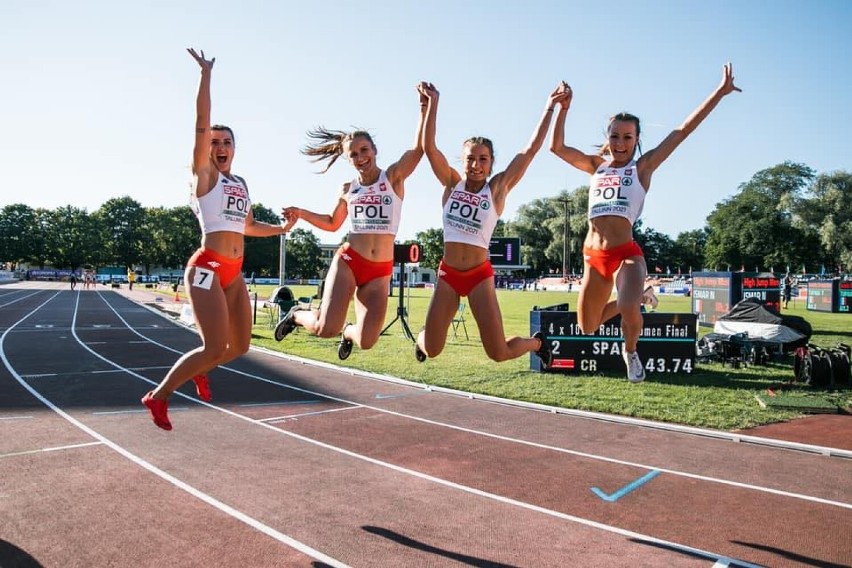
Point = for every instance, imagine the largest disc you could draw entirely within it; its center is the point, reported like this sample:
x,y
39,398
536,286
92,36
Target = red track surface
x,y
299,464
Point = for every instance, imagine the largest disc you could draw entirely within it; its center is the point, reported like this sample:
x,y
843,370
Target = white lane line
x,y
56,449
227,509
277,419
586,455
438,480
280,403
133,411
19,298
16,417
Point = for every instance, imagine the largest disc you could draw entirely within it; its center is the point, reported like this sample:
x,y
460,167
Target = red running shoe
x,y
159,410
202,387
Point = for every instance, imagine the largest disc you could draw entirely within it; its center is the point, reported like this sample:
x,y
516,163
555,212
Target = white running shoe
x,y
649,298
635,370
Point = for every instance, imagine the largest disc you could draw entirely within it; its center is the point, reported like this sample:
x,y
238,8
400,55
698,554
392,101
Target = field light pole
x,y
282,258
566,252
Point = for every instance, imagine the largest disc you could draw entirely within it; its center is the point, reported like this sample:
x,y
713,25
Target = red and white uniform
x,y
616,191
374,209
469,218
223,208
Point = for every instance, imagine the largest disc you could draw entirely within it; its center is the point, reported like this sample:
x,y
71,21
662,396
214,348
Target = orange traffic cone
x,y
177,297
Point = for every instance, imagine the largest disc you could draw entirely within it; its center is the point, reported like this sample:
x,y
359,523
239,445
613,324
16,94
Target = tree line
x,y
784,216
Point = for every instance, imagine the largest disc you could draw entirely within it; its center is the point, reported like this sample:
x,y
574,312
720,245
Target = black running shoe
x,y
418,354
543,352
287,324
344,349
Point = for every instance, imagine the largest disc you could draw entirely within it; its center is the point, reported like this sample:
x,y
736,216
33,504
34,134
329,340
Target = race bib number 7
x,y
203,278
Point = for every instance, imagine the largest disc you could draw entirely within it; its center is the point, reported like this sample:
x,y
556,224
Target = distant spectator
x,y
788,289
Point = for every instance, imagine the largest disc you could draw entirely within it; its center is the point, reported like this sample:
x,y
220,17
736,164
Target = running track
x,y
296,463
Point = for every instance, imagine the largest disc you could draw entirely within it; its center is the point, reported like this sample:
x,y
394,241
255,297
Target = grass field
x,y
712,396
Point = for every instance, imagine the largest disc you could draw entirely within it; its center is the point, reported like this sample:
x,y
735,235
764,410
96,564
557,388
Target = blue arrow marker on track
x,y
627,488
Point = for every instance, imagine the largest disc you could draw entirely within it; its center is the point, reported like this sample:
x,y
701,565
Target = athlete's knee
x,y
497,353
326,332
239,347
588,325
367,341
433,348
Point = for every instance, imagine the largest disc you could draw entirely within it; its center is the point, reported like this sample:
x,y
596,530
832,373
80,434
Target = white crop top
x,y
223,208
375,208
469,218
616,191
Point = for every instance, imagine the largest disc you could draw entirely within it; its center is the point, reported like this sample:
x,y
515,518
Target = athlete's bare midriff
x,y
226,243
608,232
463,256
376,248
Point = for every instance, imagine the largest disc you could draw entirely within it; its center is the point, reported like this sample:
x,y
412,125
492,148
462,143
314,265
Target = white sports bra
x,y
223,208
616,191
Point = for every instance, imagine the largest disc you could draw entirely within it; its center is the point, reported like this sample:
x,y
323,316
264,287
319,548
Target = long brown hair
x,y
328,144
622,117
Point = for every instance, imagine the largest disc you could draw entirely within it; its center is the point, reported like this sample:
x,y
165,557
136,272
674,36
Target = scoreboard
x,y
505,251
666,344
711,295
715,293
830,296
821,295
844,296
764,287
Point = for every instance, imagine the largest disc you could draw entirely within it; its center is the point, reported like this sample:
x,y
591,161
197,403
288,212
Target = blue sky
x,y
98,96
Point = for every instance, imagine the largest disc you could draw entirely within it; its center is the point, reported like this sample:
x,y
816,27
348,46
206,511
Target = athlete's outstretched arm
x,y
326,222
445,174
573,156
652,159
201,152
405,166
255,228
505,181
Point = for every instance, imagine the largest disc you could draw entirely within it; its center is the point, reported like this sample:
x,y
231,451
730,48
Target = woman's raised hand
x,y
427,91
205,64
561,95
727,85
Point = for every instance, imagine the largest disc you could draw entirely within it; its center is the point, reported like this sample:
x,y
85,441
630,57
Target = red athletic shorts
x,y
208,262
608,261
363,269
463,281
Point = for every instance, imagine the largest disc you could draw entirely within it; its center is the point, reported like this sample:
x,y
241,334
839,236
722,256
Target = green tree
x,y
304,255
542,228
73,238
40,238
689,250
175,234
262,253
431,247
17,226
659,249
532,225
123,230
755,227
827,215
